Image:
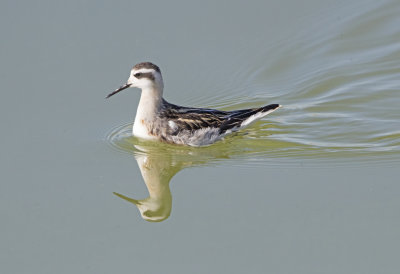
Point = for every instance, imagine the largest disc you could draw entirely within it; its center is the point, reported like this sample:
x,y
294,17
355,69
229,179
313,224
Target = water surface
x,y
311,188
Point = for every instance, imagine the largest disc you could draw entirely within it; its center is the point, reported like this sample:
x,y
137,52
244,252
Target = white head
x,y
144,76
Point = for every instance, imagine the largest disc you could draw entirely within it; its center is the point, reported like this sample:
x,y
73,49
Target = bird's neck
x,y
149,104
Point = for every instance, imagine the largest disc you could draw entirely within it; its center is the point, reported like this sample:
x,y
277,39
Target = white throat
x,y
149,105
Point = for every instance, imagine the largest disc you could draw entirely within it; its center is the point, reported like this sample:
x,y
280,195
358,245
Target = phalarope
x,y
157,119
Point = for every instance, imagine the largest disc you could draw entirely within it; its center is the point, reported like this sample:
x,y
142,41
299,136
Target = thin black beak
x,y
118,90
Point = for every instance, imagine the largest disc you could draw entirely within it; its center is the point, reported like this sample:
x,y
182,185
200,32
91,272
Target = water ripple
x,y
340,93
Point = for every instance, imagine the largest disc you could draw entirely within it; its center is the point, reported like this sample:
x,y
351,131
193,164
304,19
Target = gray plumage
x,y
201,126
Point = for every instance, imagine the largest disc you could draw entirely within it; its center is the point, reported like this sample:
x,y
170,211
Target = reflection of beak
x,y
133,201
119,89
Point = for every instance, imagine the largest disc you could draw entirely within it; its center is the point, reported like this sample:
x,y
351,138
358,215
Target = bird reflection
x,y
158,164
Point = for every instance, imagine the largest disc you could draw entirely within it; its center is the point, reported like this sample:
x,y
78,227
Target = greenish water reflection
x,y
157,171
262,144
158,164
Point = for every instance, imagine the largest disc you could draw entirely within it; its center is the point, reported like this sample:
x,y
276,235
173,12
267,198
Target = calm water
x,y
311,188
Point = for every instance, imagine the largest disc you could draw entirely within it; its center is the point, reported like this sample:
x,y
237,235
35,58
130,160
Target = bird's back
x,y
199,126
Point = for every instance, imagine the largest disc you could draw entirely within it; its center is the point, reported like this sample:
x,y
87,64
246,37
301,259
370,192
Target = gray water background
x,y
313,188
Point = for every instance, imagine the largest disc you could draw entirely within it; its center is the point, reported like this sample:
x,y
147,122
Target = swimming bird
x,y
157,119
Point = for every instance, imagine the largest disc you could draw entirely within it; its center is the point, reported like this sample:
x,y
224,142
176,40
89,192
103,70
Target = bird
x,y
157,119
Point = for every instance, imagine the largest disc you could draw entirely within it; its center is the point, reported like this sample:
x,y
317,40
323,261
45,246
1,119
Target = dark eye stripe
x,y
148,75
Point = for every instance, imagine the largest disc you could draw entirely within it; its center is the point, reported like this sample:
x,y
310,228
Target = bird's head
x,y
144,76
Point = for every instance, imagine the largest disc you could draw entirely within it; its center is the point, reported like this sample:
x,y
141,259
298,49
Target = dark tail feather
x,y
269,107
241,115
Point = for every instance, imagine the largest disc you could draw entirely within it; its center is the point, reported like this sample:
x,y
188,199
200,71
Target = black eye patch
x,y
138,75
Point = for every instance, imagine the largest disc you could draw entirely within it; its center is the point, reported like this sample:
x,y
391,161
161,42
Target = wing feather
x,y
193,119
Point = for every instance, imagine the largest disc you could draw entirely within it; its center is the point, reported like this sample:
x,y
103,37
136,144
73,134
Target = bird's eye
x,y
137,75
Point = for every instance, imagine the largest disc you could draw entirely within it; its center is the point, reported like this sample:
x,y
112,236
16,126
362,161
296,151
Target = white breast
x,y
140,131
